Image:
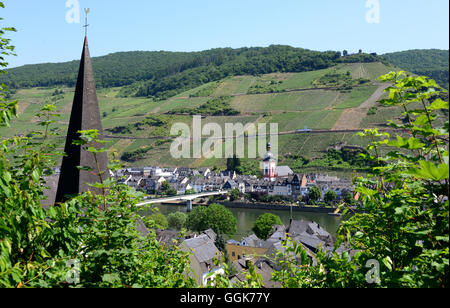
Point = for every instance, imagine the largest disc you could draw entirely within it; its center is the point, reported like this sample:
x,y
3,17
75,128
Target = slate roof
x,y
85,115
283,171
263,268
167,237
211,234
203,249
254,241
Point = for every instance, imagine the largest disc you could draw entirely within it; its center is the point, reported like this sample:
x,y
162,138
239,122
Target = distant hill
x,y
162,74
142,94
433,63
335,99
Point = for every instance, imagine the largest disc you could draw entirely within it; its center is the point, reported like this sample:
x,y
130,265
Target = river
x,y
247,217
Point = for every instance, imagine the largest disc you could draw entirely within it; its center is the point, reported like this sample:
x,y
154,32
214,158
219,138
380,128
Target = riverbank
x,y
277,207
247,216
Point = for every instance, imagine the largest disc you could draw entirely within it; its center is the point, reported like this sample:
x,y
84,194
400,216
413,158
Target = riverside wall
x,y
276,207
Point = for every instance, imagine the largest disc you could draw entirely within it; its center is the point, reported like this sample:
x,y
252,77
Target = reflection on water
x,y
247,217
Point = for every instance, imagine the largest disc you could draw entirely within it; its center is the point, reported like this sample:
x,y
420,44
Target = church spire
x,y
85,115
86,11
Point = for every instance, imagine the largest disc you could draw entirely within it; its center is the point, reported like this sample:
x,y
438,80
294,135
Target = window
x,y
233,253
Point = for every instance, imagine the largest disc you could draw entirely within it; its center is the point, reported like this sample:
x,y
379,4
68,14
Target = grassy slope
x,y
317,109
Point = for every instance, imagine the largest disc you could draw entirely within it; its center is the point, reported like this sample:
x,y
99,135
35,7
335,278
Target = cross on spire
x,y
86,11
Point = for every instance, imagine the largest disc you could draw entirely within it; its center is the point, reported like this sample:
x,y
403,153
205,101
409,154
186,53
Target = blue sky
x,y
44,35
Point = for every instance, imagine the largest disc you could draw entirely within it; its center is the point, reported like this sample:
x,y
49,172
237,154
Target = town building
x,y
203,257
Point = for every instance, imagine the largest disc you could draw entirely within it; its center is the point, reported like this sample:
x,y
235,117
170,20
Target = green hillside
x,y
164,74
428,62
322,100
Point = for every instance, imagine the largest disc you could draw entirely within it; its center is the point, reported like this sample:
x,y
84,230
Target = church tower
x,y
269,166
85,115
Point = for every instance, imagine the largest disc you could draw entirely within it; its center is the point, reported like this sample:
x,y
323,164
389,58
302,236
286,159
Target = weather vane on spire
x,y
86,11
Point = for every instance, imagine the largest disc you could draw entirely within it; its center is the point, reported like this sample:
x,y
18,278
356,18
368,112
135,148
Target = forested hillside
x,y
429,62
165,74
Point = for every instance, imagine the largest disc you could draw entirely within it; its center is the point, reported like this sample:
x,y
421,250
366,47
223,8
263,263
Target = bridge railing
x,y
184,197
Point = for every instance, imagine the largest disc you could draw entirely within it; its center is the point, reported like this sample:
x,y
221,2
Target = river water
x,y
247,217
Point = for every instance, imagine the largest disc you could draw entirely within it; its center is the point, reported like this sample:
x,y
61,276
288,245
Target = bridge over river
x,y
187,198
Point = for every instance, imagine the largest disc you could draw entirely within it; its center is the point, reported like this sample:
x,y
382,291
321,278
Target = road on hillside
x,y
351,118
293,132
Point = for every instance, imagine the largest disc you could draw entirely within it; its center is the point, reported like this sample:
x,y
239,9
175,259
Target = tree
x,y
348,198
236,162
235,194
171,192
190,191
38,244
165,186
215,216
230,164
330,196
314,194
233,163
401,236
156,221
197,219
264,225
345,53
177,220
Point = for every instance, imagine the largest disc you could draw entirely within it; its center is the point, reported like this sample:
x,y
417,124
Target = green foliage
x,y
334,79
217,106
349,199
372,111
96,232
206,91
164,74
264,225
177,220
403,223
345,158
330,196
89,241
156,221
8,110
190,192
314,194
266,87
233,163
215,216
361,57
248,166
432,63
135,155
235,194
158,121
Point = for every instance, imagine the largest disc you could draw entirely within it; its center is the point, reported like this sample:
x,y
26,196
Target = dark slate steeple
x,y
85,116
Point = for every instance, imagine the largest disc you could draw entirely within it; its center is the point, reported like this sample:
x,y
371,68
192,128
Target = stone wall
x,y
265,206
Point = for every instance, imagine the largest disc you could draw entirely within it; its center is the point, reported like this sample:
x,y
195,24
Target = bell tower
x,y
269,166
